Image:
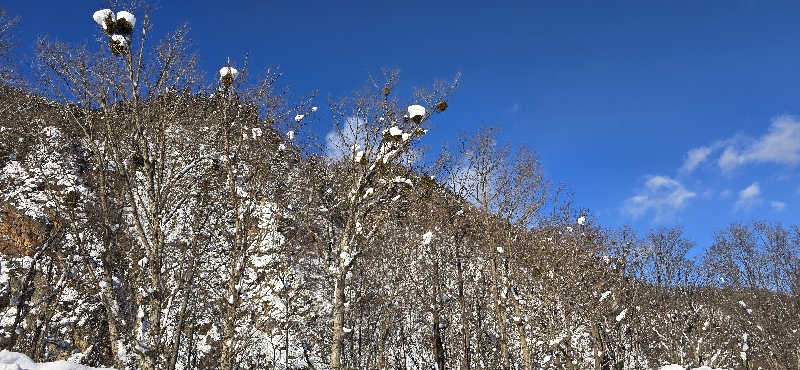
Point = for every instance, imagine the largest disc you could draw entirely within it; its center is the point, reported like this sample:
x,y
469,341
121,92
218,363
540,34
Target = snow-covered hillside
x,y
151,218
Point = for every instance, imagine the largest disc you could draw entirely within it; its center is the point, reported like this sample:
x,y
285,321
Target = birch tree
x,y
372,143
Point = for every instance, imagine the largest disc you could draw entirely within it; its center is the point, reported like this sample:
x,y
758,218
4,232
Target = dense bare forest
x,y
150,219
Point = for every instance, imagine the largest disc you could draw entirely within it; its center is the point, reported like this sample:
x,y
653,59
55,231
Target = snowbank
x,y
18,361
679,367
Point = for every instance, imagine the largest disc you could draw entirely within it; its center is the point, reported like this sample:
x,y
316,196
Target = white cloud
x,y
781,144
694,157
662,195
749,197
750,192
348,140
777,205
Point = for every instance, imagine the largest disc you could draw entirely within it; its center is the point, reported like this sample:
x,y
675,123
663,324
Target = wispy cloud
x,y
781,144
661,195
748,197
694,157
777,205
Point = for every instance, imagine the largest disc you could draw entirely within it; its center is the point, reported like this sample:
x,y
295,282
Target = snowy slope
x,y
18,361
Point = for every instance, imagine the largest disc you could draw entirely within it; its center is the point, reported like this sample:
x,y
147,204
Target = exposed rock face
x,y
19,235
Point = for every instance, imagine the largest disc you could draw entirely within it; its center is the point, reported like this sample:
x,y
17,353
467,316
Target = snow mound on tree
x,y
224,71
120,40
18,361
127,16
101,15
416,111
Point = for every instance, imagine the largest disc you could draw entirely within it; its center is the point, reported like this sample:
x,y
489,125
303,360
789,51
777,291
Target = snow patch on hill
x,y
18,361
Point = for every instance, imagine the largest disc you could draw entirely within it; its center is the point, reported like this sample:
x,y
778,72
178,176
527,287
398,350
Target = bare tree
x,y
8,75
127,105
370,149
756,265
509,189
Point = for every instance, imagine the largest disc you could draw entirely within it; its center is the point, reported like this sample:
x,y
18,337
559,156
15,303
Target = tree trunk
x,y
797,354
382,341
523,337
229,331
465,335
26,291
568,352
154,321
597,346
173,356
118,347
338,322
500,315
438,351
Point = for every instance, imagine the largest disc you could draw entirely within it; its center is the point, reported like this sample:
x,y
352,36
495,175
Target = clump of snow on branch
x,y
359,156
299,117
120,40
402,180
228,71
101,15
427,238
395,131
118,28
416,112
127,16
121,23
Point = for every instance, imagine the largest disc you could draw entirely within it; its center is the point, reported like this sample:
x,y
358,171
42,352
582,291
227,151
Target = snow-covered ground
x,y
679,367
18,361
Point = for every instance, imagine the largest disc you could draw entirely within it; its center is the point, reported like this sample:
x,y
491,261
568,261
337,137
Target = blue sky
x,y
613,95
